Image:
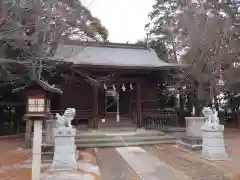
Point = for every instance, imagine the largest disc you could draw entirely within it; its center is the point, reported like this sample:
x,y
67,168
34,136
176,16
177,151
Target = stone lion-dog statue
x,y
66,118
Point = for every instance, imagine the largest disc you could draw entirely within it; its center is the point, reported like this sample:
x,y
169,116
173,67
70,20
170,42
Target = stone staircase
x,y
115,137
112,137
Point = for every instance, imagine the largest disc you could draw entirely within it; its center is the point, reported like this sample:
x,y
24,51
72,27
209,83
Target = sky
x,y
124,19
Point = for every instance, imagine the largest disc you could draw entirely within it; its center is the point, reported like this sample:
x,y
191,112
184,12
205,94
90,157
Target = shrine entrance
x,y
111,104
117,106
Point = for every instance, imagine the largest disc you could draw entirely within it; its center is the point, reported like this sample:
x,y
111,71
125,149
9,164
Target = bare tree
x,y
163,25
40,24
30,30
211,49
207,32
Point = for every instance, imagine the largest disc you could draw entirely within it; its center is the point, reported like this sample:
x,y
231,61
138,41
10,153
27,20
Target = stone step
x,y
122,144
116,141
113,126
103,134
116,124
120,139
47,148
109,139
120,129
49,155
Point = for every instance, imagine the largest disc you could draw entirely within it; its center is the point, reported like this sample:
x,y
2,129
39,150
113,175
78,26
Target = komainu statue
x,y
208,113
211,116
215,119
66,118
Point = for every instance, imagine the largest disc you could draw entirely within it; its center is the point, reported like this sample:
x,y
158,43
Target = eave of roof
x,y
170,66
111,55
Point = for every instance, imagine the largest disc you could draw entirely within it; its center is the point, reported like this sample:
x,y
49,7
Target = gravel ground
x,y
15,162
190,164
113,166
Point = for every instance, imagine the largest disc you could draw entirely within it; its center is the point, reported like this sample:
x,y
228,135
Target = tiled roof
x,y
110,54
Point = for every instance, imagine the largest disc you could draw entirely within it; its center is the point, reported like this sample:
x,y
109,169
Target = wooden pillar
x,y
28,133
138,104
95,108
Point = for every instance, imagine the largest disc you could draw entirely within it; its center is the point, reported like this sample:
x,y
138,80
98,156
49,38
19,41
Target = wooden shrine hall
x,y
110,83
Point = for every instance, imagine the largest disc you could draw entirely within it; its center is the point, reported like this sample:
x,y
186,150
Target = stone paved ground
x,y
190,165
149,167
113,166
198,169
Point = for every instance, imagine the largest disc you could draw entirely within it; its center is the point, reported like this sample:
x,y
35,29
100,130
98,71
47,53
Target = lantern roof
x,y
41,84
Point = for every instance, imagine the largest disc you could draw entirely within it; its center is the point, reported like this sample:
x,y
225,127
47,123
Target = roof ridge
x,y
105,44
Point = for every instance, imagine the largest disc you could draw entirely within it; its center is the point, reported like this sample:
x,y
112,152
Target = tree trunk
x,y
198,100
198,109
216,103
174,49
189,105
181,111
1,121
238,118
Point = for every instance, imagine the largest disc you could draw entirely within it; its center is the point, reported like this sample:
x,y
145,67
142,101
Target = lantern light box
x,y
38,103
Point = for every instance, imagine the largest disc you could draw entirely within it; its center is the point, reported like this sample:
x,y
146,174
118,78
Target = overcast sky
x,y
124,19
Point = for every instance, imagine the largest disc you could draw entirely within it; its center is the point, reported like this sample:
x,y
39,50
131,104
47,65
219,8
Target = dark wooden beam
x,y
138,104
95,107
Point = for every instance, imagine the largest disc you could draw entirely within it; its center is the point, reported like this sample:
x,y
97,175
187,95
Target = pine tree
x,y
163,24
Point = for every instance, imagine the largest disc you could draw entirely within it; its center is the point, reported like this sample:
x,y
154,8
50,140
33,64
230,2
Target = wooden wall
x,y
149,95
78,96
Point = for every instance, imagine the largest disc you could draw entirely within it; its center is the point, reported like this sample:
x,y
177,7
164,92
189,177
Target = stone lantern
x,y
37,110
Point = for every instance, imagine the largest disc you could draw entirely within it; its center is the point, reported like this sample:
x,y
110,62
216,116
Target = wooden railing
x,y
159,119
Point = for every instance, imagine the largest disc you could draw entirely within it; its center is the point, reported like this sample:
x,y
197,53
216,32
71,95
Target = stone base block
x,y
65,176
64,158
192,140
190,143
64,165
213,143
219,156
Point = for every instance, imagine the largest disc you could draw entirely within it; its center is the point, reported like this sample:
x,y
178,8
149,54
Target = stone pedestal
x,y
65,158
213,142
190,143
49,136
193,138
193,126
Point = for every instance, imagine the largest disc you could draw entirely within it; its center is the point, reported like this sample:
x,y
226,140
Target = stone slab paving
x,y
113,166
190,163
148,167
